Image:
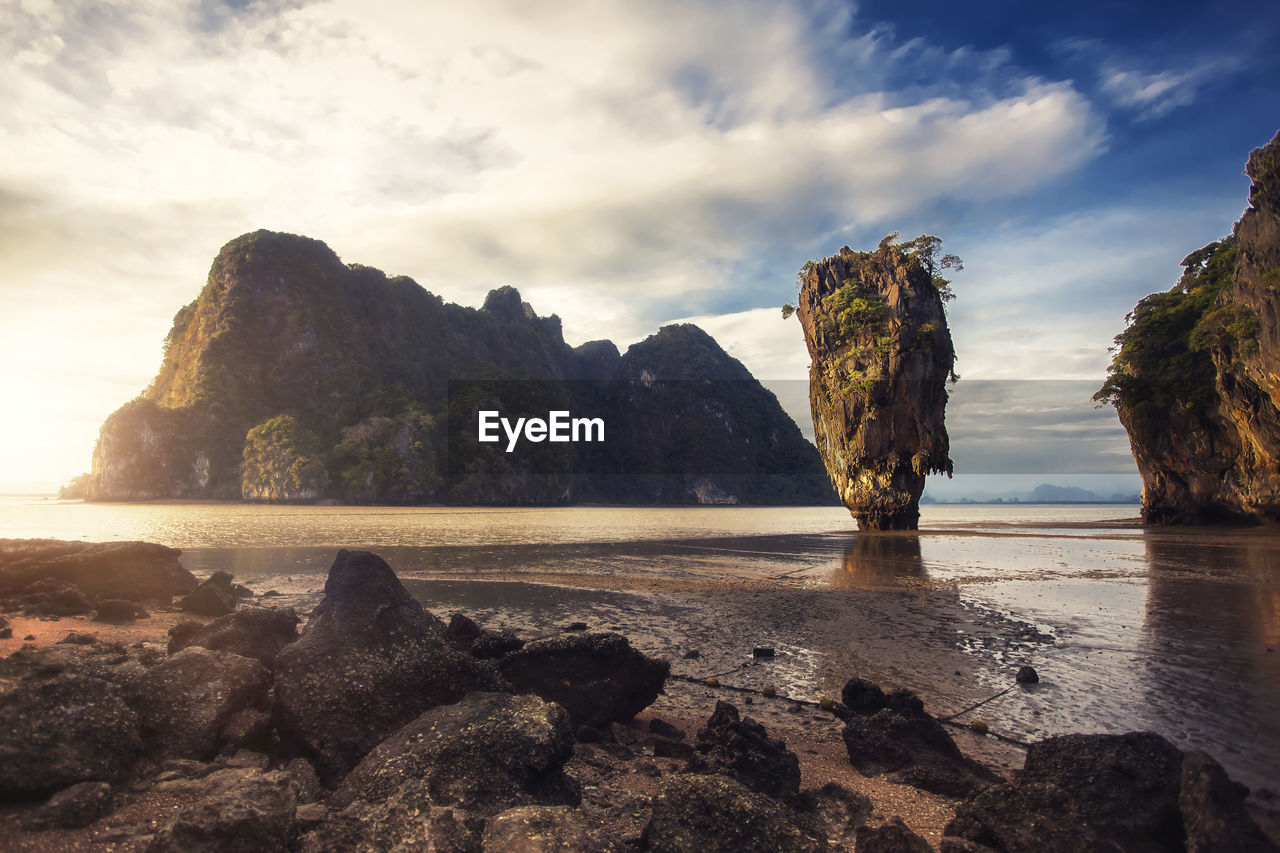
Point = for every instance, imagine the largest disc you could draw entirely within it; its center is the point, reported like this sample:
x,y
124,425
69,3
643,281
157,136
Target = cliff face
x,y
294,376
1196,376
881,355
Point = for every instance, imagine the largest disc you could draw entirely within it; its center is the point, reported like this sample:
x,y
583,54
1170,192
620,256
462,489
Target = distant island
x,y
296,377
1045,493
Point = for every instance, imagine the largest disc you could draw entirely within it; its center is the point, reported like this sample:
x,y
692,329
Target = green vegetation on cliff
x,y
282,462
1165,356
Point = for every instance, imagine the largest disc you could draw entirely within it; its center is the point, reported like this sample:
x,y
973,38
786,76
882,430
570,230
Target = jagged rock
x,y
372,660
840,810
1196,376
892,836
597,678
1213,812
79,805
894,735
1033,817
452,766
213,597
538,829
81,655
252,632
396,826
742,749
306,780
50,597
1126,786
484,754
116,610
715,814
234,810
466,636
136,571
61,731
247,727
188,701
881,355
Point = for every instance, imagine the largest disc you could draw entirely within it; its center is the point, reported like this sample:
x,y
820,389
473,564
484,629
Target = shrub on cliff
x,y
1164,355
282,462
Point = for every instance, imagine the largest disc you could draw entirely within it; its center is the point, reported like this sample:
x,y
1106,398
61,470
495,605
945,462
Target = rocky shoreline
x,y
216,724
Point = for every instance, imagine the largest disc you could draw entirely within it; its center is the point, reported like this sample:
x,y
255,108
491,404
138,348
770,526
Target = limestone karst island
x,y
404,452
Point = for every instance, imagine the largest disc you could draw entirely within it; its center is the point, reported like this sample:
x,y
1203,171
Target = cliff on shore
x,y
295,377
881,355
1196,375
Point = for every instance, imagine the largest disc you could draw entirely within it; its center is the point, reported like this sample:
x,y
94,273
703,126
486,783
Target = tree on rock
x,y
282,463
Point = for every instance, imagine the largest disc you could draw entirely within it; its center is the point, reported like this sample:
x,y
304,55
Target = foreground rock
x,y
881,355
716,814
79,805
597,678
63,730
136,571
742,749
199,700
252,632
466,636
894,736
372,660
215,596
483,755
236,811
49,597
1133,792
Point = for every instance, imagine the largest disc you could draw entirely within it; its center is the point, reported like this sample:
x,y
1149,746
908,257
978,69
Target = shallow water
x,y
1173,631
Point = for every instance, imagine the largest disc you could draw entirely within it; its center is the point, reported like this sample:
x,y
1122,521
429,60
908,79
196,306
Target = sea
x,y
1130,628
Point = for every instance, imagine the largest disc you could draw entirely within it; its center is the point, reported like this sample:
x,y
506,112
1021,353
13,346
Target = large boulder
x,y
63,730
893,734
1134,792
49,597
1126,786
252,632
233,811
1029,818
1213,812
486,753
455,765
215,596
715,814
597,678
741,748
371,661
79,805
539,829
134,570
189,702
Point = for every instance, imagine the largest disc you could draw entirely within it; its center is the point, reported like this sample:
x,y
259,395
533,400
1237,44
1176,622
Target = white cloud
x,y
621,163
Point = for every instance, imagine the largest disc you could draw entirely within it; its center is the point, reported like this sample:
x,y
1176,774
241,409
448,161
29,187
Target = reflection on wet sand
x,y
877,561
1212,629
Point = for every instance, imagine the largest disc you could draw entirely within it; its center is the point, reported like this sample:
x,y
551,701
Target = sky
x,y
624,164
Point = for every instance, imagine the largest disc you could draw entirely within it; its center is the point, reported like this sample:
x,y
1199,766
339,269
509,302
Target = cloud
x,y
621,163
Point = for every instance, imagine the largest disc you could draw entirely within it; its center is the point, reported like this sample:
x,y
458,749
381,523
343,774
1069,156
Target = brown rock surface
x,y
881,355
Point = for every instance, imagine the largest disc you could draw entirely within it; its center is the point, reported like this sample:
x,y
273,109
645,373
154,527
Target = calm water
x,y
1174,631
